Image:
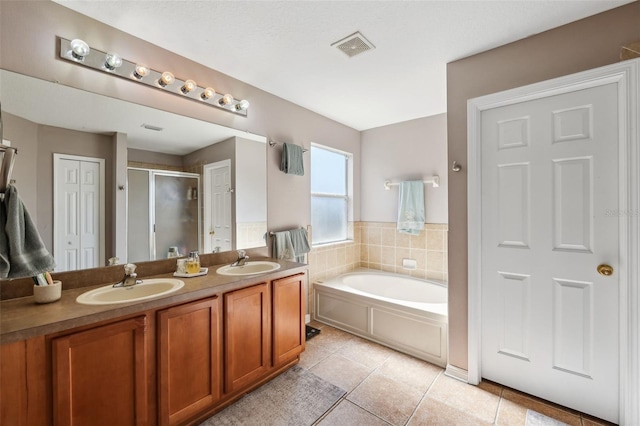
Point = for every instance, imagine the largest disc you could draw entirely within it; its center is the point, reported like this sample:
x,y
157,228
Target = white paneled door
x,y
218,227
79,228
550,324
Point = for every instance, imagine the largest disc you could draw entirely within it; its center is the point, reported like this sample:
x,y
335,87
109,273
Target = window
x,y
330,194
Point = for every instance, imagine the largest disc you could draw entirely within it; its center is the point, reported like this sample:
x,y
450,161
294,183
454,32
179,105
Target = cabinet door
x,y
23,394
288,318
247,335
189,367
100,375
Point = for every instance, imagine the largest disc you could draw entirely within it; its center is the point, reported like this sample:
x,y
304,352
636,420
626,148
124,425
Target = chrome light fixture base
x,y
96,59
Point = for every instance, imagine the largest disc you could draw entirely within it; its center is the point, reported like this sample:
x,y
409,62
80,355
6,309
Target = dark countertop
x,y
22,318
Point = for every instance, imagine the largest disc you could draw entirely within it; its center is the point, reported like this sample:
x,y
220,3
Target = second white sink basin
x,y
148,289
249,268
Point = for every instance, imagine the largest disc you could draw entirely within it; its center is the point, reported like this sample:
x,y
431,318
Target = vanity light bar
x,y
80,53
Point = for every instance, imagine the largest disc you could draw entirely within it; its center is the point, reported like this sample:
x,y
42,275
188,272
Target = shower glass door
x,y
176,213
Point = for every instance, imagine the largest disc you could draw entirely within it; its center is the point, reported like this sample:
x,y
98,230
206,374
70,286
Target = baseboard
x,y
457,373
307,319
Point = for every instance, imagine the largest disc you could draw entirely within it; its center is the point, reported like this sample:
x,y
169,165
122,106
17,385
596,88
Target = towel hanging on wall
x,y
22,252
292,161
411,207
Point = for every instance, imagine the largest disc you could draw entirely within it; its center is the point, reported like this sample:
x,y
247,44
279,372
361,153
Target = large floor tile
x,y
431,412
347,413
511,414
365,352
341,371
312,355
411,371
331,339
386,398
464,397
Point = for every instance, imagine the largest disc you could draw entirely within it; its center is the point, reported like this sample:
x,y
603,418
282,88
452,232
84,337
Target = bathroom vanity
x,y
172,360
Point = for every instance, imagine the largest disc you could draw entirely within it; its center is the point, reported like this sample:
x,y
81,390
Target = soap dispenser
x,y
193,263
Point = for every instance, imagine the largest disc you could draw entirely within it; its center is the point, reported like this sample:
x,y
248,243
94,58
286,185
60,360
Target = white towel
x,y
22,252
411,207
283,246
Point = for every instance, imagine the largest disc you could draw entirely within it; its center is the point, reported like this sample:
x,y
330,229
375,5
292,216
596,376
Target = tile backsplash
x,y
378,245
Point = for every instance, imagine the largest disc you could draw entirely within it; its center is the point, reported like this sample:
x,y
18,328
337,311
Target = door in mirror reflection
x,y
172,225
217,207
79,227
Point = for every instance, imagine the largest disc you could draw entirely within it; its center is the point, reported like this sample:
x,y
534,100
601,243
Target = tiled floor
x,y
385,387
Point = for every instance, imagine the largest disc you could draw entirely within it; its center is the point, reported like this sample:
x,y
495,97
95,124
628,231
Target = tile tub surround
x,y
378,245
384,248
385,387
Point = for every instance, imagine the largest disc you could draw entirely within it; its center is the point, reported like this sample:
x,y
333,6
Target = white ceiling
x,y
284,47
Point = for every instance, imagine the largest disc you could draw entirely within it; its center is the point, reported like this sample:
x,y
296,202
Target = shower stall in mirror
x,y
163,214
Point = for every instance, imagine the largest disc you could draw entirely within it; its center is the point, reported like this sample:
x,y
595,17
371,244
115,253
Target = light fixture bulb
x,y
208,93
140,71
242,105
188,86
166,79
112,61
226,100
79,49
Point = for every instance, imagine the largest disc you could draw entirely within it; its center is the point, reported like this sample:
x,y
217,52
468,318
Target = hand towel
x,y
411,207
300,243
292,160
22,252
282,246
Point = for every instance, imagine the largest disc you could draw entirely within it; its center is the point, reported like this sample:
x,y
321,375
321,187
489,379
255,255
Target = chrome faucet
x,y
242,258
130,277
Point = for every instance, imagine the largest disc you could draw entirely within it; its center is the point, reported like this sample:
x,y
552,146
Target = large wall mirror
x,y
85,160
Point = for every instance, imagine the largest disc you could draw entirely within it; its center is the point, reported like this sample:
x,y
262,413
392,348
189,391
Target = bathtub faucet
x,y
242,259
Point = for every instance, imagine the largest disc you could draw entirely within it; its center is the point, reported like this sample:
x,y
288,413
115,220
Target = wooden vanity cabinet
x,y
189,360
172,366
247,336
23,383
100,375
288,300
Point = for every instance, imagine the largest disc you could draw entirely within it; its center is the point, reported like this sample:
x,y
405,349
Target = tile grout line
x,y
495,419
423,397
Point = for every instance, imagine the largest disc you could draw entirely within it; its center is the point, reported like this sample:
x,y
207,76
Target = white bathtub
x,y
401,312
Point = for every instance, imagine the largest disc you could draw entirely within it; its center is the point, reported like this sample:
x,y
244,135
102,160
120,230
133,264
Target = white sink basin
x,y
148,289
249,268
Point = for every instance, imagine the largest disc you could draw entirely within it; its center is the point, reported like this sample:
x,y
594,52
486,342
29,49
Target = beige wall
x,y
33,170
409,150
582,45
32,27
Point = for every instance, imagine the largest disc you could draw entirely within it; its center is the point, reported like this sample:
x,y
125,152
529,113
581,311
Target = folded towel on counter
x,y
300,243
282,246
292,161
411,207
22,252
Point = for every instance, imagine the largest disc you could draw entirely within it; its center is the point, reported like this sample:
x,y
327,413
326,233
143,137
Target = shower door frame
x,y
152,209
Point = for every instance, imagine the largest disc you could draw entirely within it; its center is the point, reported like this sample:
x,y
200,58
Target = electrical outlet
x,y
409,263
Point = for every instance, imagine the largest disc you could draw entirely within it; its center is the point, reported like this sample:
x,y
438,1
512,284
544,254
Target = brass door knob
x,y
605,270
212,232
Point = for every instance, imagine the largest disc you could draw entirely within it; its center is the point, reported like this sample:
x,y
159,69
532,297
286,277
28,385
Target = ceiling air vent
x,y
154,128
354,44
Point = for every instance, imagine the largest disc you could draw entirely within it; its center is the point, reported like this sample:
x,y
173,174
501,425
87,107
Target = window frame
x,y
347,197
